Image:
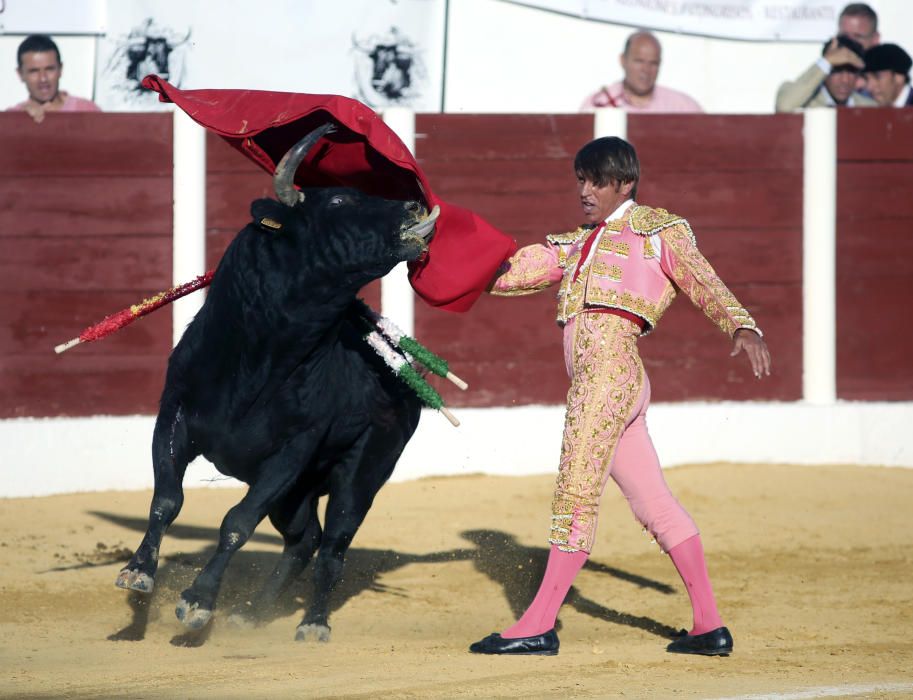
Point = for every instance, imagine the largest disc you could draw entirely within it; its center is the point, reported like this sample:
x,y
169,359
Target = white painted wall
x,y
41,456
509,58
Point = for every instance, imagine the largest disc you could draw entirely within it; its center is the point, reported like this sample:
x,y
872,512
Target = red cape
x,y
366,154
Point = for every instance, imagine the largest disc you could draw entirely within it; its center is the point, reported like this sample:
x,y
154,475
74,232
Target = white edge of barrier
x,y
44,456
189,217
397,300
819,256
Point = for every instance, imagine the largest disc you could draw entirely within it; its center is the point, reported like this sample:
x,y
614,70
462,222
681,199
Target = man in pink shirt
x,y
40,69
638,92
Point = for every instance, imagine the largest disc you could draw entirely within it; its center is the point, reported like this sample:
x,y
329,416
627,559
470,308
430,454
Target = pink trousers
x,y
605,434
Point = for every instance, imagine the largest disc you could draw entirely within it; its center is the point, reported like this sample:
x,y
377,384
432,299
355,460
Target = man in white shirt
x,y
887,74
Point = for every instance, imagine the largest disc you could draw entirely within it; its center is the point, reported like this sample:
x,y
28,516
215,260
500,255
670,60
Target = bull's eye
x,y
336,200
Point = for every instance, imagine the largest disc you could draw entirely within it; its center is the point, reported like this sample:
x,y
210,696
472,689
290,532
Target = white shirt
x,y
901,100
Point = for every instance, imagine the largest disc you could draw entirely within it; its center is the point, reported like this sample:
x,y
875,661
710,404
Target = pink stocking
x,y
688,558
560,572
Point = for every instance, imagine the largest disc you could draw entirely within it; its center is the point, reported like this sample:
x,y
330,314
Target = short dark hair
x,y
608,159
36,43
860,9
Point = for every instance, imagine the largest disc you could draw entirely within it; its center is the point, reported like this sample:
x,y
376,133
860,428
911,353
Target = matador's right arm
x,y
531,269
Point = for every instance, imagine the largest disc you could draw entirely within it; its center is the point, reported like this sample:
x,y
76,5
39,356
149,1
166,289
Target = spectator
x,y
638,92
40,68
830,81
859,22
887,73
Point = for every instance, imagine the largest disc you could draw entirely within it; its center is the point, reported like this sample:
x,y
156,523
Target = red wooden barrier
x,y
85,229
874,254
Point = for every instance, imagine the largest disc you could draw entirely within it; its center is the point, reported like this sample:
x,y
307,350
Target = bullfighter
x,y
618,273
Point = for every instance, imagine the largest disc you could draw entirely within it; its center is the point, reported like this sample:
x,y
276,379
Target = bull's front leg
x,y
277,476
170,457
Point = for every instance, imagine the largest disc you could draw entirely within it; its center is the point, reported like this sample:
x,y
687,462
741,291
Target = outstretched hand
x,y
756,349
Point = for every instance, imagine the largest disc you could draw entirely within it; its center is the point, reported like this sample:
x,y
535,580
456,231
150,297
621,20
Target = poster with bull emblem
x,y
382,52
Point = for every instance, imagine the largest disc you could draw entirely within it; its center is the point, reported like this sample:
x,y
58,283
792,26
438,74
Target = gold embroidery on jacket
x,y
649,251
527,273
619,248
697,278
647,221
565,241
612,272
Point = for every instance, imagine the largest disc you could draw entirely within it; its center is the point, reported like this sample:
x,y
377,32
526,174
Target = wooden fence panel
x,y
874,254
85,230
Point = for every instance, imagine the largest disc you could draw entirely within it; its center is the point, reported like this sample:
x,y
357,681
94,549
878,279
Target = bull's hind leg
x,y
277,476
296,519
352,491
170,456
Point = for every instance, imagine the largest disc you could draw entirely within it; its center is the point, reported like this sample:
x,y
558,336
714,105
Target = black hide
x,y
273,383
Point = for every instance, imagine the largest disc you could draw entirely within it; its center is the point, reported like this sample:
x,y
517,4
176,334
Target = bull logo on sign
x,y
388,70
147,49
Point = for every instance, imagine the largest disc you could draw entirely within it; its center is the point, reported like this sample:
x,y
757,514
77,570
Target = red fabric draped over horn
x,y
364,153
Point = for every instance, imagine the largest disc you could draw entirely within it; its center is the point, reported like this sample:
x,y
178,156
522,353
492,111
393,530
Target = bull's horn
x,y
424,227
283,180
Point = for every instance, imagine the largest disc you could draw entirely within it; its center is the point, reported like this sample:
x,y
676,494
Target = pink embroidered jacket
x,y
638,262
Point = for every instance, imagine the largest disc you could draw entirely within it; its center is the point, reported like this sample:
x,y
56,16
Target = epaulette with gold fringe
x,y
647,221
570,237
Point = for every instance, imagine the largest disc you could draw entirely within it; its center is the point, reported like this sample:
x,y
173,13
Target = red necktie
x,y
587,246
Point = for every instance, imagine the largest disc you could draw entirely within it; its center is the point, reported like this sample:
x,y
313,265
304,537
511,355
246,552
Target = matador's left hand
x,y
756,349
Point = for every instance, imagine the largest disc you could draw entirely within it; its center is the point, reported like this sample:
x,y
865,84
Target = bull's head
x,y
356,231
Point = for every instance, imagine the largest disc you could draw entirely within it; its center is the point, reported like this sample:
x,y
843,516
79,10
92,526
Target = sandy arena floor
x,y
813,568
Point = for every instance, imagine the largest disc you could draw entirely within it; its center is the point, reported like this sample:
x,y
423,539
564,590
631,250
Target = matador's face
x,y
598,201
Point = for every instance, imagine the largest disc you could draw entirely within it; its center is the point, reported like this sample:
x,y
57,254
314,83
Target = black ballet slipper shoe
x,y
717,642
539,644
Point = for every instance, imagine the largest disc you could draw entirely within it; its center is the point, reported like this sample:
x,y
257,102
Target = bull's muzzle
x,y
423,228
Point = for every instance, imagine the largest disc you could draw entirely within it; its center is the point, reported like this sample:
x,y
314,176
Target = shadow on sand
x,y
517,569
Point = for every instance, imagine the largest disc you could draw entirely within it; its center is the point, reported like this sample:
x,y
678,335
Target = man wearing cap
x,y
830,81
887,75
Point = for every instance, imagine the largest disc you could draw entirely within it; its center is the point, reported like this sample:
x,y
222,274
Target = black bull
x,y
273,383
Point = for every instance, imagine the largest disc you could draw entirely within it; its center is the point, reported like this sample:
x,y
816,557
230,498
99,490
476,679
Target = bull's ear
x,y
268,214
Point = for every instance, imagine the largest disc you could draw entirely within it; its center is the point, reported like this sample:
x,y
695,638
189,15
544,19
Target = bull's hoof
x,y
133,580
320,633
192,615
